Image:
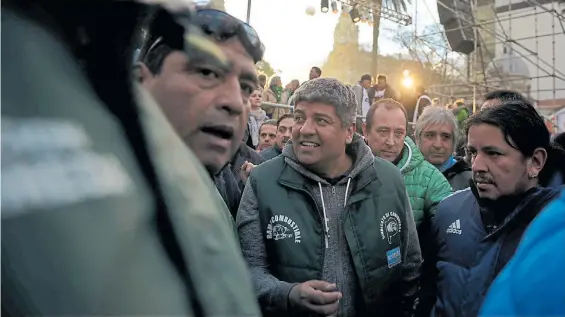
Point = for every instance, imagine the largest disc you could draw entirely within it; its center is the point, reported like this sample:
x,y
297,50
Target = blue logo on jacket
x,y
393,257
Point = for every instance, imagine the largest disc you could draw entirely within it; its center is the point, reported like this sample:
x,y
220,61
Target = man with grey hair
x,y
326,227
437,136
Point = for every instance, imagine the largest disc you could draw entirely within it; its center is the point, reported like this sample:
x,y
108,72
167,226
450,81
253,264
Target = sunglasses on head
x,y
222,26
192,31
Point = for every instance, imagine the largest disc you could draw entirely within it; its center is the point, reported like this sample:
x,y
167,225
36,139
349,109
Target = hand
x,y
316,296
245,170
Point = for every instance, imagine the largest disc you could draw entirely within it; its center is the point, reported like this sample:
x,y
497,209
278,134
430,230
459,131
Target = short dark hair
x,y
284,116
156,58
272,122
262,77
389,104
505,96
381,76
523,128
164,36
366,77
318,70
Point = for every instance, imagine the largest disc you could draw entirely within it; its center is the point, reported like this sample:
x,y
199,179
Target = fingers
x,y
317,297
322,285
324,310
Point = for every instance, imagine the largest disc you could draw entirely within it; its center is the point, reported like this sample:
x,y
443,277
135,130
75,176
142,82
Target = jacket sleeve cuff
x,y
281,299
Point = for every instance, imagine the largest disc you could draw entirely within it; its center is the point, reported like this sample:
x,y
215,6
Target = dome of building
x,y
509,63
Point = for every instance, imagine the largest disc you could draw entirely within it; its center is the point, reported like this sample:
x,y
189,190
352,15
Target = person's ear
x,y
536,162
142,73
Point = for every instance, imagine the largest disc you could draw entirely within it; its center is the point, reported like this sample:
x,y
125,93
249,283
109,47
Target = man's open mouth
x,y
220,131
309,144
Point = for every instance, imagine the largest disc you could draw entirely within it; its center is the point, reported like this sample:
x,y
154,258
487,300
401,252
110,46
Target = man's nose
x,y
478,164
437,143
231,98
390,140
308,127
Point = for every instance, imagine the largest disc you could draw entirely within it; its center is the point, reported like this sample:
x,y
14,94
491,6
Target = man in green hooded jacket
x,y
326,227
385,132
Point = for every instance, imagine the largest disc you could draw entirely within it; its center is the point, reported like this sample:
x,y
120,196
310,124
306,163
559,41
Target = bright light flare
x,y
407,82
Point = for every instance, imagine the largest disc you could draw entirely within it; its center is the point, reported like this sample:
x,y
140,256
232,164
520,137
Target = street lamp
x,y
407,80
325,6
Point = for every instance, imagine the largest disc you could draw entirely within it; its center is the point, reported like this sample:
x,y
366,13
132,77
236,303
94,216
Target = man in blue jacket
x,y
521,291
476,231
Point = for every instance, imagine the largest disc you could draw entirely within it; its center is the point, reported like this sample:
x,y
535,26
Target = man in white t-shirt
x,y
362,98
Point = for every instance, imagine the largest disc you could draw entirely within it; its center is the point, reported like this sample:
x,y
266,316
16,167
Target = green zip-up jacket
x,y
271,152
82,225
425,184
371,248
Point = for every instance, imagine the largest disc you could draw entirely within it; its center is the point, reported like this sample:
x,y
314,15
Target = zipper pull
x,y
327,243
333,190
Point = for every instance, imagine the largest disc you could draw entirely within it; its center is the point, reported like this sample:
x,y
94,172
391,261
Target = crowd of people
x,y
178,185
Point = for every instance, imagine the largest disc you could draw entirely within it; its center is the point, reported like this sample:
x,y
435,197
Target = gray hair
x,y
437,115
331,92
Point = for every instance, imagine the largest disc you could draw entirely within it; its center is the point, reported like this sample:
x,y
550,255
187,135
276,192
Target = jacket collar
x,y
509,209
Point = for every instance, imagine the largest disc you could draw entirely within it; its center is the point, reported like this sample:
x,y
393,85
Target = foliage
x,y
431,49
265,67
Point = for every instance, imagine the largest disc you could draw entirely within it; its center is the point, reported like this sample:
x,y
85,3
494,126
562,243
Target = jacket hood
x,y
357,149
460,166
411,156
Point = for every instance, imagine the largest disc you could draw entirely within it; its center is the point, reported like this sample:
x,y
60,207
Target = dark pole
x,y
248,11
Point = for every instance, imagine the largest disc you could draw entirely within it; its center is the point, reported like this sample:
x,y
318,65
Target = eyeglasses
x,y
198,28
222,26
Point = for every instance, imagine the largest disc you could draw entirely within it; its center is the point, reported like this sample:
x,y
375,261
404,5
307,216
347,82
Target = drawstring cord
x,y
346,191
326,220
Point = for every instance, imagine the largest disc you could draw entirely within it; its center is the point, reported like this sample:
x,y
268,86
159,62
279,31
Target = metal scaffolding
x,y
479,78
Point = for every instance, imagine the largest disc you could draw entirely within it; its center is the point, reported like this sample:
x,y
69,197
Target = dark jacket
x,y
371,250
229,189
459,174
389,93
271,152
105,211
244,153
473,240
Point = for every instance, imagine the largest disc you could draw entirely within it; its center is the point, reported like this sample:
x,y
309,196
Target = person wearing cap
x,y
105,212
326,227
208,106
362,98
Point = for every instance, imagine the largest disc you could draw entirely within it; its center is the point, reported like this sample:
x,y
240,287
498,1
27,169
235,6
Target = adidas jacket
x,y
471,242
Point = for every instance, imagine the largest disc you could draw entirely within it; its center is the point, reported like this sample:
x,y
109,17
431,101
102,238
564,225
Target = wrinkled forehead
x,y
268,128
487,135
389,117
287,122
439,127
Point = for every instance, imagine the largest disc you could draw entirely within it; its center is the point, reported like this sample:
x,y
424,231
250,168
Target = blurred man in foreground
x,y
207,106
97,217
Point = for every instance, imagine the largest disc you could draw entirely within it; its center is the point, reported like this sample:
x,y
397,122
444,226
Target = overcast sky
x,y
296,41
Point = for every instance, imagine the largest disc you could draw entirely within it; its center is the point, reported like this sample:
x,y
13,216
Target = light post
x,y
248,11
